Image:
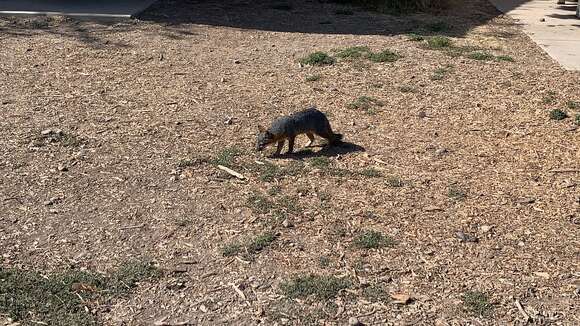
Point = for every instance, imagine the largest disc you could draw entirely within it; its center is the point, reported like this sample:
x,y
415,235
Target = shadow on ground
x,y
341,148
312,16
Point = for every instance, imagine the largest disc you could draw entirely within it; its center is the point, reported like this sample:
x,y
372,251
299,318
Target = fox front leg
x,y
291,144
279,148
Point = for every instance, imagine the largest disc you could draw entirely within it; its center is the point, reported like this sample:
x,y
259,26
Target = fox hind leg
x,y
291,145
311,139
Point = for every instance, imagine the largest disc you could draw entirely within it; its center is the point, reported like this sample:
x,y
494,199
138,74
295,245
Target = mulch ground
x,y
109,132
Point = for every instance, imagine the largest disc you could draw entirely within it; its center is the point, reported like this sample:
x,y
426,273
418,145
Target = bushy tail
x,y
337,138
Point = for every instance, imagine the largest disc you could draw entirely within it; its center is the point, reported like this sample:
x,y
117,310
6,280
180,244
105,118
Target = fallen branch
x,y
232,172
522,311
564,170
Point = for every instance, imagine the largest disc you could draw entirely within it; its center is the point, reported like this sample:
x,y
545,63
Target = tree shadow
x,y
315,17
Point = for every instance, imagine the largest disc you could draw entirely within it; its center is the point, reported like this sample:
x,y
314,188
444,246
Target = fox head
x,y
264,138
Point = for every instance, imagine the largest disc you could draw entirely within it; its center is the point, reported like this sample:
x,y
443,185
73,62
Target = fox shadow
x,y
340,148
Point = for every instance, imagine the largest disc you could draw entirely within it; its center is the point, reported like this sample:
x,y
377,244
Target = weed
x,y
573,105
456,193
477,303
416,37
318,59
376,293
259,204
231,249
226,156
384,56
261,242
406,89
480,55
505,58
183,222
439,73
313,78
54,299
269,172
58,136
323,196
324,261
321,287
366,103
438,42
275,190
353,52
394,182
320,162
372,240
558,114
371,173
549,98
577,119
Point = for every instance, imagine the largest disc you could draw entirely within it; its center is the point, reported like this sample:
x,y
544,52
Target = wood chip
x,y
400,298
232,172
522,311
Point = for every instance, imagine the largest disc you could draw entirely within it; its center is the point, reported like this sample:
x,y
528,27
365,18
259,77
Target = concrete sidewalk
x,y
81,8
555,28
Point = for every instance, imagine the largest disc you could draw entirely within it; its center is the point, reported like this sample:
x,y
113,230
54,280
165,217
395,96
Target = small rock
x,y
228,121
46,132
526,200
521,244
353,321
542,19
286,224
62,168
464,237
486,228
422,114
237,61
432,209
203,308
441,151
173,178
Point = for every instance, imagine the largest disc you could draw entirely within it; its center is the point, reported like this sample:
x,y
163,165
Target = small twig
x,y
238,291
564,170
132,227
522,311
232,172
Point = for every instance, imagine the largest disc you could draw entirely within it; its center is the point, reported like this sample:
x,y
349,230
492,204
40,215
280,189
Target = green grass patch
x,y
505,58
226,156
480,55
406,89
317,286
477,303
558,115
366,103
456,193
549,98
313,78
65,298
372,240
320,162
231,249
371,173
394,182
318,59
376,293
260,242
269,172
439,42
416,37
353,52
573,105
384,56
439,73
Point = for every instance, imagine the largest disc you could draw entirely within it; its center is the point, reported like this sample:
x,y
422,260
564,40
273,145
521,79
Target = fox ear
x,y
261,128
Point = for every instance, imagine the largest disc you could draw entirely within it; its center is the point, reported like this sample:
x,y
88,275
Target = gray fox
x,y
309,122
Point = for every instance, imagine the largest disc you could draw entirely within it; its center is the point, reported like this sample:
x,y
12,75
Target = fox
x,y
310,121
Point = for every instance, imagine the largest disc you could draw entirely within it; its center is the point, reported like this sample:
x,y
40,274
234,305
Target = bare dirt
x,y
109,132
